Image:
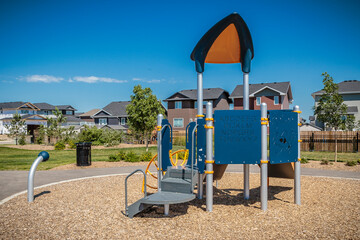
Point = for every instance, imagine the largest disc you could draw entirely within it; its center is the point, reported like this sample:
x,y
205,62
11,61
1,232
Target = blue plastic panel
x,y
283,139
166,144
201,145
237,136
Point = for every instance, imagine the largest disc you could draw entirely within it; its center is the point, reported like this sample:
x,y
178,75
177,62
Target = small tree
x,y
331,109
17,128
54,125
143,112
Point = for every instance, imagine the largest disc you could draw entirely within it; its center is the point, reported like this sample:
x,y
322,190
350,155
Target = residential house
x,y
34,114
182,106
89,116
276,95
113,116
350,92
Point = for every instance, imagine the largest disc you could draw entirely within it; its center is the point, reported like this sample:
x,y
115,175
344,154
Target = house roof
x,y
117,108
208,94
65,107
45,106
345,87
72,119
311,125
90,113
114,127
282,88
15,105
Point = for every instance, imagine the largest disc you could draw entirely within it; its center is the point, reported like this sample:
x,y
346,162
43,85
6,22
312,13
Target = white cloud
x,y
43,78
93,79
146,81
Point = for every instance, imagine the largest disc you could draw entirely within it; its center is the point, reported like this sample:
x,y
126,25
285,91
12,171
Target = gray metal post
x,y
200,114
209,157
246,107
166,209
43,156
264,158
297,185
159,141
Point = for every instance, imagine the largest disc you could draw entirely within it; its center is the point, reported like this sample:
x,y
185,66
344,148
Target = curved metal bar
x,y
171,132
192,155
145,192
30,191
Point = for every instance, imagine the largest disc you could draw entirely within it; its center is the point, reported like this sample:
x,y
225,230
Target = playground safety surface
x,y
92,208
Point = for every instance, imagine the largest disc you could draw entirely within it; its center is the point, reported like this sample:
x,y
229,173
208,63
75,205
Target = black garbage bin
x,y
83,154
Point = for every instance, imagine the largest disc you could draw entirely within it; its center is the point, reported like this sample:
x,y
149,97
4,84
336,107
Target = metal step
x,y
159,198
163,197
176,185
179,172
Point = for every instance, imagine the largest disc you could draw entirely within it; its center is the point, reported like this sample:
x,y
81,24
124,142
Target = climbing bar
x,y
297,111
208,127
264,161
209,161
209,172
209,119
200,115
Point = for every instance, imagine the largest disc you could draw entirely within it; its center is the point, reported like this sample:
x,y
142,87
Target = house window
x,y
178,105
69,113
178,122
195,105
123,121
258,101
103,121
276,100
24,111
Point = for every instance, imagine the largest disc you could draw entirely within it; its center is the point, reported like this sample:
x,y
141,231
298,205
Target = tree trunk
x,y
16,140
147,143
335,145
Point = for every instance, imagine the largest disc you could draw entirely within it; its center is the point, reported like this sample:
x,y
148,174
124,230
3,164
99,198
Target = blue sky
x,y
89,53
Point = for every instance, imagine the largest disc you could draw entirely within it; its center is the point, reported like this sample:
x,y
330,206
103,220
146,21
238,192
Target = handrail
x,y
192,155
145,192
171,132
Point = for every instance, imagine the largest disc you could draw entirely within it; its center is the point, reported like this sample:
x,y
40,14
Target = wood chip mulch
x,y
92,209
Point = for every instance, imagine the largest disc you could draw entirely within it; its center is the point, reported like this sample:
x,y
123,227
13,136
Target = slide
x,y
281,170
219,170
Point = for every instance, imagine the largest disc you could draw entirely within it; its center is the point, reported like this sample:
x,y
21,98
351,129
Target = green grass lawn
x,y
318,156
19,159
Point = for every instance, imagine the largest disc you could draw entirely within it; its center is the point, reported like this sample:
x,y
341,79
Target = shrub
x,y
117,157
179,140
71,144
324,161
131,157
358,161
59,146
351,163
304,160
22,140
145,157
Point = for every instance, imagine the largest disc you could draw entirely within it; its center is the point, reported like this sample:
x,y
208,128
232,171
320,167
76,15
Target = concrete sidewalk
x,y
12,182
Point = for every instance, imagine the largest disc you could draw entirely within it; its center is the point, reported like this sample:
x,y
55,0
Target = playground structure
x,y
240,136
42,157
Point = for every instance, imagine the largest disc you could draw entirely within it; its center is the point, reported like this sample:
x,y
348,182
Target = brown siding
x,y
186,114
285,102
221,103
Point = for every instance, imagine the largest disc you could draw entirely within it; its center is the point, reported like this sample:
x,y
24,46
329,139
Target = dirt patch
x,y
340,166
92,209
46,147
100,165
